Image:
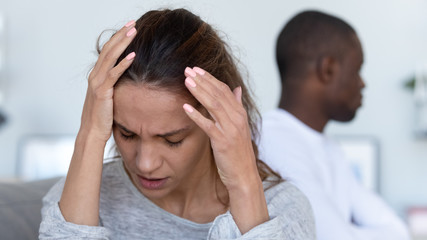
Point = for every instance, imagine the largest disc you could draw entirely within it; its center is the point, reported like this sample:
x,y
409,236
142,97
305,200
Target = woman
x,y
188,166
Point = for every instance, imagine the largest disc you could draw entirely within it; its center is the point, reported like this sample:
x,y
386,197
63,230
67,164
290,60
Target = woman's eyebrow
x,y
122,127
174,132
168,134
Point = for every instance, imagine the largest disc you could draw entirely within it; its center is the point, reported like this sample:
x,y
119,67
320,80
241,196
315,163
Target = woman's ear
x,y
327,69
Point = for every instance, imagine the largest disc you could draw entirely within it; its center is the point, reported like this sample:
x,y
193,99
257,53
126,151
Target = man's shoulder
x,y
279,122
275,116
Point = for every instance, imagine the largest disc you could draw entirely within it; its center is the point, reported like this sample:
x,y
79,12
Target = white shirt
x,y
343,209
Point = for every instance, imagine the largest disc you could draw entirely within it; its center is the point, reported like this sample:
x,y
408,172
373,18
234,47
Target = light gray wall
x,y
50,48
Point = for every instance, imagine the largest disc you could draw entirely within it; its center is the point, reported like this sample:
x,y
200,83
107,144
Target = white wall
x,y
50,47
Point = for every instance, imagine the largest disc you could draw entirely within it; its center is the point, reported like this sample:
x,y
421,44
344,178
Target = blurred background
x,y
47,48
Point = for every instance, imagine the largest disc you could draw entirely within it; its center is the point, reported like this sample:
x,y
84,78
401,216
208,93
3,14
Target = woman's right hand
x,y
79,201
97,116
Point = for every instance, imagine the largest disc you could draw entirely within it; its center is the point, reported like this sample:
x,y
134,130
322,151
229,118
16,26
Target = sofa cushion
x,y
20,205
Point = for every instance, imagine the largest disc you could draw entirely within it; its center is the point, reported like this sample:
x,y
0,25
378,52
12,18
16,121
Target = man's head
x,y
319,57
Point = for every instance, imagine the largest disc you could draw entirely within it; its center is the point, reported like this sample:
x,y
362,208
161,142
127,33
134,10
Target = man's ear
x,y
327,69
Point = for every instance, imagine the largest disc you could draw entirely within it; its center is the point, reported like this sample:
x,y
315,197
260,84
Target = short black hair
x,y
306,38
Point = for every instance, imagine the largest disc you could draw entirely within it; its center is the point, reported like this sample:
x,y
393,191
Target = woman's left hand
x,y
227,127
230,136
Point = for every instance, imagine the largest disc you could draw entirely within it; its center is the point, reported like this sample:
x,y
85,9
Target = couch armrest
x,y
20,205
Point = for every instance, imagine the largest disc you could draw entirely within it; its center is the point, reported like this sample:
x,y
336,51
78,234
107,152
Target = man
x,y
319,57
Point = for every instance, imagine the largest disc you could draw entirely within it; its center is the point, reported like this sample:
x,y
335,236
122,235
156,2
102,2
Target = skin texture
x,y
331,90
214,161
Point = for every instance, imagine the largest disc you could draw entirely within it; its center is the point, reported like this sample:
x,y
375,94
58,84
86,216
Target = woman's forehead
x,y
148,107
174,91
147,91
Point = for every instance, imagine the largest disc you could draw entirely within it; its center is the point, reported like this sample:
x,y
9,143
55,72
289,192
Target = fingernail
x,y
188,108
130,56
199,70
190,82
131,32
190,72
130,23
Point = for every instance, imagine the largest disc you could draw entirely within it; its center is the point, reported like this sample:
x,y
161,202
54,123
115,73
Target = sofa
x,y
20,205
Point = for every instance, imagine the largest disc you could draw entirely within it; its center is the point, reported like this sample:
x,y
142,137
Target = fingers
x,y
218,89
118,45
223,105
205,124
115,73
210,97
113,49
238,94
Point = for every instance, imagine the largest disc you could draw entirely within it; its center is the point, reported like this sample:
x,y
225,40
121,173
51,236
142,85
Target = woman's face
x,y
163,150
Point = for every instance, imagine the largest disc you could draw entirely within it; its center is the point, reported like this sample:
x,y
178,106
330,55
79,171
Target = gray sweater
x,y
126,214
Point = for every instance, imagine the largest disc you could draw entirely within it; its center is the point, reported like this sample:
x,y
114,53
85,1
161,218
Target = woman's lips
x,y
152,183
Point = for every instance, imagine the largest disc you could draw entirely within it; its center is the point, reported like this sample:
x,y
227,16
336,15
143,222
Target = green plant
x,y
410,83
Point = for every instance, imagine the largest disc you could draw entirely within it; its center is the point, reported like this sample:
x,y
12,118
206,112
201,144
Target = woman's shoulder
x,y
285,197
112,168
282,188
114,179
55,192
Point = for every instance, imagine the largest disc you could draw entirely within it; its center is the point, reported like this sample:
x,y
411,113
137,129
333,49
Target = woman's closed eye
x,y
173,143
127,136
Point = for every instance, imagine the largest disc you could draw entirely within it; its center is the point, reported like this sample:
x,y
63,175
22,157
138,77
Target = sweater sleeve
x,y
290,213
54,226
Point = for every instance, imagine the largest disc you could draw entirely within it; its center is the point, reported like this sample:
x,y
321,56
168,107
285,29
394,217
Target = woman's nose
x,y
147,159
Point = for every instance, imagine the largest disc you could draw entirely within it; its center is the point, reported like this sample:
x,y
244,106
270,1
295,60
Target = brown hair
x,y
167,42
